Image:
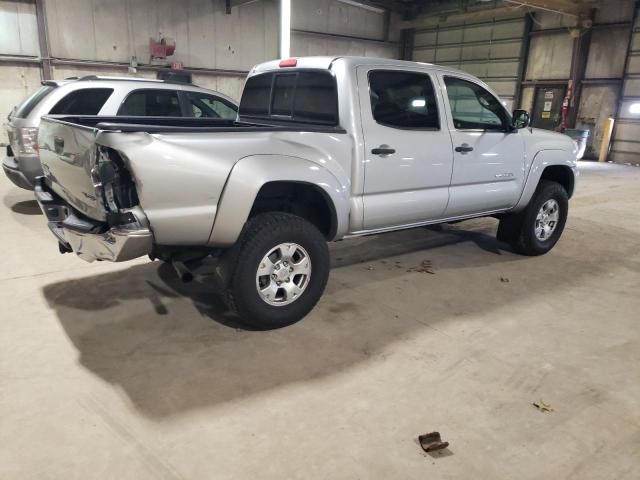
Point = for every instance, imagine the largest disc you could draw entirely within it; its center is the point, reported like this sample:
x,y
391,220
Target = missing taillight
x,y
110,175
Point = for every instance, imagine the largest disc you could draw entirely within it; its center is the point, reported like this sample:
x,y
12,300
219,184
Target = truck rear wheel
x,y
536,229
281,270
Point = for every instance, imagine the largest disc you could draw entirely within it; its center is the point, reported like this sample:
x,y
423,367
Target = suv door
x,y
408,154
488,165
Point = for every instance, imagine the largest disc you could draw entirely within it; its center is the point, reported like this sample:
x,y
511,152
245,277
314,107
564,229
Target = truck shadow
x,y
169,346
22,202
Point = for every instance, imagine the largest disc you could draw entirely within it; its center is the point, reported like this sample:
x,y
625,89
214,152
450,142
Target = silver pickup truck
x,y
322,149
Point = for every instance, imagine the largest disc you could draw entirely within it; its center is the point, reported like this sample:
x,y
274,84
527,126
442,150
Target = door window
x,y
473,107
203,105
87,101
403,100
151,103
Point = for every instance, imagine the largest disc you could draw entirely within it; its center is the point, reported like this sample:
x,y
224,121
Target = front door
x,y
408,154
547,109
488,165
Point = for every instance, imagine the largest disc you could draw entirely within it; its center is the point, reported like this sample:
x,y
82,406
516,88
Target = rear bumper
x,y
89,239
22,170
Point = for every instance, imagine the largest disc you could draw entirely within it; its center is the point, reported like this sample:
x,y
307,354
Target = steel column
x,y
43,40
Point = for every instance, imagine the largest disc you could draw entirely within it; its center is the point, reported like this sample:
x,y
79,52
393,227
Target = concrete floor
x,y
120,372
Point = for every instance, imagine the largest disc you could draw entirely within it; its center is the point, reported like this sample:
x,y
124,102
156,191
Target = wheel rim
x,y
547,219
283,274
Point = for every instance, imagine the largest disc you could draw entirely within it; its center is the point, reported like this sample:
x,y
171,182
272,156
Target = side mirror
x,y
520,119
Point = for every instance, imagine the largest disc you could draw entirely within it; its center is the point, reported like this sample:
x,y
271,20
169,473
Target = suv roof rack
x,y
128,79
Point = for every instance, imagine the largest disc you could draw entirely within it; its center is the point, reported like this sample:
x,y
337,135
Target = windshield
x,y
24,109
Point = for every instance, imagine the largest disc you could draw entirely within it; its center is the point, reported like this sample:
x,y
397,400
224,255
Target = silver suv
x,y
104,96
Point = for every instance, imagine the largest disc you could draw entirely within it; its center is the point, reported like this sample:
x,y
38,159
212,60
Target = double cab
x,y
322,149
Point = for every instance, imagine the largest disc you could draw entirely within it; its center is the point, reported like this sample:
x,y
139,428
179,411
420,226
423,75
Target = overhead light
x,y
634,107
371,8
418,103
285,28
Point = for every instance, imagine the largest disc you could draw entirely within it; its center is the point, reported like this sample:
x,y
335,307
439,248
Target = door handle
x,y
383,150
464,148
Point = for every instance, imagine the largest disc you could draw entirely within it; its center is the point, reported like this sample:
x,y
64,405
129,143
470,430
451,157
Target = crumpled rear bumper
x,y
90,239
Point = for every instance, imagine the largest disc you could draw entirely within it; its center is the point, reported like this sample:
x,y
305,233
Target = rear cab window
x,y
86,101
151,103
28,104
298,96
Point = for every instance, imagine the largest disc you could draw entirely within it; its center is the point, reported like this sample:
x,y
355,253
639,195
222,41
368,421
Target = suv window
x,y
203,105
151,103
473,107
24,109
87,101
299,96
403,99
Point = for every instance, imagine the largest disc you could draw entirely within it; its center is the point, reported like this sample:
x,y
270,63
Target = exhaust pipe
x,y
183,271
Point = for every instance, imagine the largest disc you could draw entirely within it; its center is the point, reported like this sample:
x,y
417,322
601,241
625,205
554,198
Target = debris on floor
x,y
371,267
504,279
543,407
432,441
424,267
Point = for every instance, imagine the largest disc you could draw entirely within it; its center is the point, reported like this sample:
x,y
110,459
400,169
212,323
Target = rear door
x,y
488,165
408,155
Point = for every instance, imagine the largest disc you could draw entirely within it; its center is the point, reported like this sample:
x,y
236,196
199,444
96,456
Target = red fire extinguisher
x,y
565,106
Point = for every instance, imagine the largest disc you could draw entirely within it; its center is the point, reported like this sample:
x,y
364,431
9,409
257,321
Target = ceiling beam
x,y
573,8
453,18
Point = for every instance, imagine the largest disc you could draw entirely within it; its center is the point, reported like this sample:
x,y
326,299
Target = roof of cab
x,y
325,63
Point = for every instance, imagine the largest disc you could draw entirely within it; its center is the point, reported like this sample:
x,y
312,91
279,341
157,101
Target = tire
x,y
519,229
289,235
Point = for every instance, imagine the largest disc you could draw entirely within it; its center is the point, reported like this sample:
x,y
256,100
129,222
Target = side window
x,y
87,101
151,103
472,107
203,105
403,99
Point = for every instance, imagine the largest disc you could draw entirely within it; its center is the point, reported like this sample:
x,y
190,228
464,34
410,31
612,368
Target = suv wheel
x,y
536,229
281,270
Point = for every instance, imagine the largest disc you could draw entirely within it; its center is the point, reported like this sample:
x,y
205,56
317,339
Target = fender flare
x,y
542,160
248,176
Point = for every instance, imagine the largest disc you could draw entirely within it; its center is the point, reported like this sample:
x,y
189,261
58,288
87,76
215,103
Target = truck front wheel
x,y
536,229
281,270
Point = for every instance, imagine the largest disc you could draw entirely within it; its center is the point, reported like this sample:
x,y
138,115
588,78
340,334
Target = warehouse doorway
x,y
547,107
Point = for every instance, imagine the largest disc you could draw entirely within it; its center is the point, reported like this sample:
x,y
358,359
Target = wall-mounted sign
x,y
546,115
547,106
548,95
